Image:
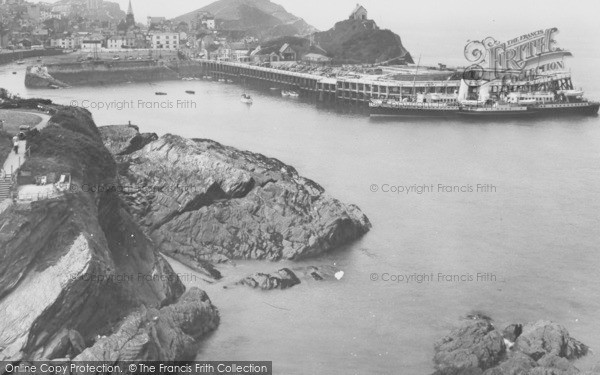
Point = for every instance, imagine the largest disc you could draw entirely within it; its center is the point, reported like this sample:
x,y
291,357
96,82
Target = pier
x,y
350,89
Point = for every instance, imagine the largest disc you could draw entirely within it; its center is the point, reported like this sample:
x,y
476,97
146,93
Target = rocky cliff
x,y
361,41
78,267
202,201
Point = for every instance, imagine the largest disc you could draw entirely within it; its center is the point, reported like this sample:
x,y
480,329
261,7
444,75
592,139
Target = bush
x,y
77,120
71,144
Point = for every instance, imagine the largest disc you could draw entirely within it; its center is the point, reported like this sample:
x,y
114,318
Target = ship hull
x,y
568,109
582,109
411,112
498,113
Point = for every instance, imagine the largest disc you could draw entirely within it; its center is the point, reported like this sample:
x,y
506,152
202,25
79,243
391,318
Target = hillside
x,y
361,41
260,18
107,11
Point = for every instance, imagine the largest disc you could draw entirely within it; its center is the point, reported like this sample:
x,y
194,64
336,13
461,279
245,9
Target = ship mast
x,y
415,80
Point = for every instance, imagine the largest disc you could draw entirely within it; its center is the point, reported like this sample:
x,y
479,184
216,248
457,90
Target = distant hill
x,y
260,18
361,41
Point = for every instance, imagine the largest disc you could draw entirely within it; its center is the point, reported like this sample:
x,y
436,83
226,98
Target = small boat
x,y
222,80
273,88
187,79
54,87
191,92
285,93
230,81
160,93
14,72
294,94
246,99
20,62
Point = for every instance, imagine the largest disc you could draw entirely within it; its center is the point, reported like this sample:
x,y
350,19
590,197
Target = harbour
x,y
548,94
202,188
544,170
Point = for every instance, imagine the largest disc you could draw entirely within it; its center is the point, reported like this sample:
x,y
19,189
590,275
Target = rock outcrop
x,y
38,77
166,334
544,338
73,267
477,347
475,344
203,201
362,41
282,279
125,139
286,278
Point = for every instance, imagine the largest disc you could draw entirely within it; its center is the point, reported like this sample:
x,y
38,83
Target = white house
x,y
116,42
164,40
359,13
63,42
209,23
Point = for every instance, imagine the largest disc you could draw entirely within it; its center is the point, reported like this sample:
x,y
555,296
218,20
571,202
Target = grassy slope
x,y
13,119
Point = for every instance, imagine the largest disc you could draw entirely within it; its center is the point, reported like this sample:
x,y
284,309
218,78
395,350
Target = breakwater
x,y
9,57
109,72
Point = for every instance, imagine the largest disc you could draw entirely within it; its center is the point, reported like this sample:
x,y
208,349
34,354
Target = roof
x,y
316,57
284,47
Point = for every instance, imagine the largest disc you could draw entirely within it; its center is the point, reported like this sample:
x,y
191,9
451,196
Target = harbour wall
x,y
110,72
9,57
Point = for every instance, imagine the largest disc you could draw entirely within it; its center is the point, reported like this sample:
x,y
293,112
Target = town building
x,y
164,40
64,42
94,4
156,21
116,42
359,13
91,45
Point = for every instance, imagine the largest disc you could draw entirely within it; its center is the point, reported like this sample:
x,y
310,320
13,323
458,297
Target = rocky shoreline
x,y
83,277
477,347
200,200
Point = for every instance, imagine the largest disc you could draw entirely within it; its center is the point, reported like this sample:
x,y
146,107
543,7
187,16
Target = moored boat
x,y
247,99
395,108
191,92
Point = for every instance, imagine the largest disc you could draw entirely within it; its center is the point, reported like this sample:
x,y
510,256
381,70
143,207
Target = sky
x,y
435,29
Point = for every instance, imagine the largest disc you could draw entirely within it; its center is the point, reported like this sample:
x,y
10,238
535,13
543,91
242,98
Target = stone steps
x,y
5,185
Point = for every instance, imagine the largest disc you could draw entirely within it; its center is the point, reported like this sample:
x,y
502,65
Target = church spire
x,y
130,19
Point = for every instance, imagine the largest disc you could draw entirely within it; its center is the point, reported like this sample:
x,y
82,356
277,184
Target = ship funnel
x,y
463,91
